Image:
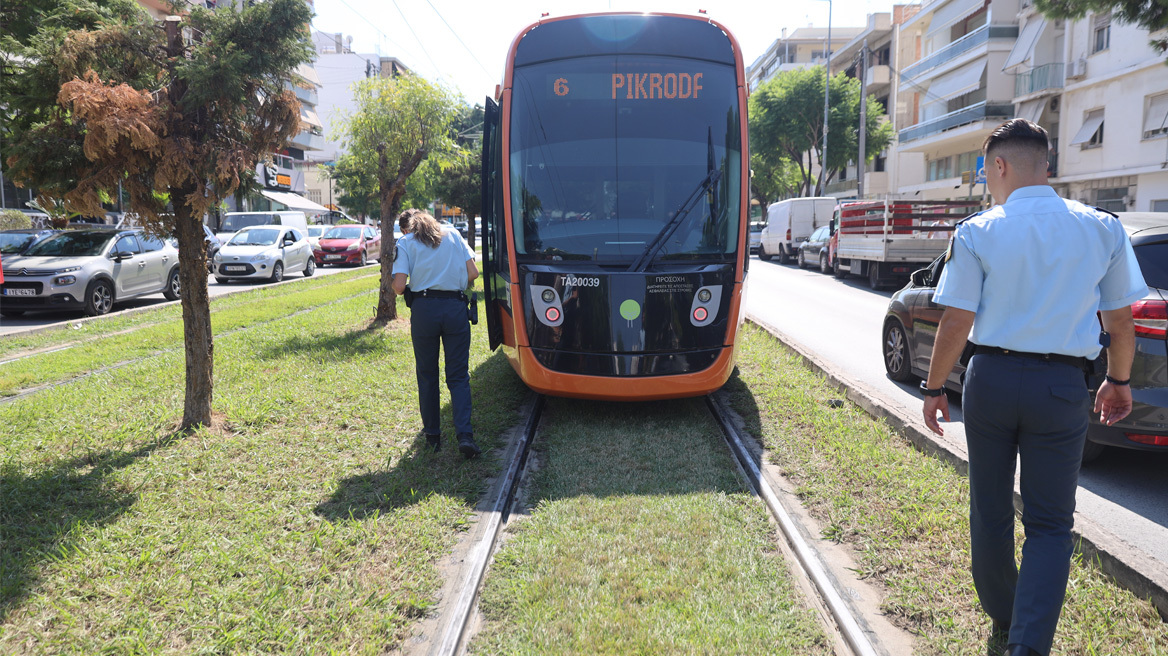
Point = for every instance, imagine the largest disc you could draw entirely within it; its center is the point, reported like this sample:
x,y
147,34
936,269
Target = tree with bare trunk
x,y
398,123
178,114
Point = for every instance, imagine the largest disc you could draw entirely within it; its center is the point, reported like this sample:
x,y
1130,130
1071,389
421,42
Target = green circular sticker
x,y
630,309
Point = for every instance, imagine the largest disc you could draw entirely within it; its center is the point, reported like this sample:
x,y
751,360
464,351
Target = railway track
x,y
839,619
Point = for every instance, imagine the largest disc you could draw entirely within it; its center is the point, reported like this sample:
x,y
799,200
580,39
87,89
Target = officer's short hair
x,y
1017,139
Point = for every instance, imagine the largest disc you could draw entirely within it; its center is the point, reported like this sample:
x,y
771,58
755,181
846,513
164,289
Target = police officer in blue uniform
x,y
1028,277
439,265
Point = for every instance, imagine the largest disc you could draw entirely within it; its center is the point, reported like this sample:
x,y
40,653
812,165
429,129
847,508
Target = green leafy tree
x,y
1151,15
178,116
460,185
399,122
786,121
774,179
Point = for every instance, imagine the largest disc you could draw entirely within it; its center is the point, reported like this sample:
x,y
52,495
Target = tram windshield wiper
x,y
650,253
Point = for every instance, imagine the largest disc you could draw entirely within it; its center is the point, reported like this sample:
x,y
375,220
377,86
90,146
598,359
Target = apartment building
x,y
1107,112
952,91
805,46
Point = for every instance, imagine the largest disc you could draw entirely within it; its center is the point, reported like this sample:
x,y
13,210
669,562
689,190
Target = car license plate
x,y
20,292
234,267
333,257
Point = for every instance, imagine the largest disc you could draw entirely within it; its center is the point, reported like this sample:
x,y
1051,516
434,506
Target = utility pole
x,y
826,97
860,163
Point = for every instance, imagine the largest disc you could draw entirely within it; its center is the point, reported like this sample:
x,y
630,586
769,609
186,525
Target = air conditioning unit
x,y
1054,104
1077,69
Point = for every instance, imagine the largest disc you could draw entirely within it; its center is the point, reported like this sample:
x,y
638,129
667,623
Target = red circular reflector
x,y
700,314
552,314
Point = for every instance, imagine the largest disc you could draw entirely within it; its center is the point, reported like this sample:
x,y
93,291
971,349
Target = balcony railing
x,y
962,45
1047,76
971,114
305,95
838,186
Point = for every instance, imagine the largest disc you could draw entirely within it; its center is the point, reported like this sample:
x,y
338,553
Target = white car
x,y
315,232
88,270
265,252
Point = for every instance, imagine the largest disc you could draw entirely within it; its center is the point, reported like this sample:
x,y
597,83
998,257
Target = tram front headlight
x,y
704,296
548,296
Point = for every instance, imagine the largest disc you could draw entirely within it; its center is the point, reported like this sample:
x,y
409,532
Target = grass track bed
x,y
152,339
906,515
313,524
641,540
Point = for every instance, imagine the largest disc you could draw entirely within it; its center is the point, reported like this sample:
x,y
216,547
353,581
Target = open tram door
x,y
494,237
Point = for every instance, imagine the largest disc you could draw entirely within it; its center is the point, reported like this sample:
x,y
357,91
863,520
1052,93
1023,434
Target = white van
x,y
790,222
235,221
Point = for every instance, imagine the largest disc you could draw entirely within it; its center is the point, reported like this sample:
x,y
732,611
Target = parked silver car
x,y
88,270
265,252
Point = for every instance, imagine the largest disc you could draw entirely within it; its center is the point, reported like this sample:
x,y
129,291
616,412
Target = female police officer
x,y
439,265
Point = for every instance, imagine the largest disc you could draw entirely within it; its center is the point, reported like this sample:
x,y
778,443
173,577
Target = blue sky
x,y
463,43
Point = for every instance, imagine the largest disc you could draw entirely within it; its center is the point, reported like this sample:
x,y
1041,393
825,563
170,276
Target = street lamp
x,y
826,95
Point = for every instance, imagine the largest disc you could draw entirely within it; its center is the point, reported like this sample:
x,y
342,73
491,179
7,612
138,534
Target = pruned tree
x,y
398,123
1151,15
459,185
179,116
786,120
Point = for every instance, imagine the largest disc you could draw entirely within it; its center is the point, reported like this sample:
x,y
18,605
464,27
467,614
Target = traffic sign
x,y
980,176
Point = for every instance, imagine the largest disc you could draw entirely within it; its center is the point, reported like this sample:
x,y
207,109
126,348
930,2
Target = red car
x,y
348,244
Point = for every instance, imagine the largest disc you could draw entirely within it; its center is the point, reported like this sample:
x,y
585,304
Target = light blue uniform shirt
x,y
434,268
1035,271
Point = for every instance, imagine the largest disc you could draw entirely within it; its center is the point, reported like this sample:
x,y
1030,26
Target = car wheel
x,y
802,259
310,268
873,276
173,289
823,268
762,254
783,257
364,259
837,270
99,298
896,354
1092,450
277,272
11,314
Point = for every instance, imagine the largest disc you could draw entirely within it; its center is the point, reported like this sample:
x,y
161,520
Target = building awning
x,y
1157,117
958,82
1031,110
951,13
1023,49
308,72
309,116
1090,127
294,201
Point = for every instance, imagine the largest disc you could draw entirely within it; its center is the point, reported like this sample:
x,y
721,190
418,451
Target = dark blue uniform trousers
x,y
1037,410
433,320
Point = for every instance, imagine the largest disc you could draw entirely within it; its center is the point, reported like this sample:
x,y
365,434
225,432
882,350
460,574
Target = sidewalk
x,y
1128,566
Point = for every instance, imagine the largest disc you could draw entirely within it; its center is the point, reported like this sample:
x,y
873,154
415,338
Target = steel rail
x,y
849,627
480,554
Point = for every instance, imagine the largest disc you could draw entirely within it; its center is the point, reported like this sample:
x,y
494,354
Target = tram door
x,y
494,237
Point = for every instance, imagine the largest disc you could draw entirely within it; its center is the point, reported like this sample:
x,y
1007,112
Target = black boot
x,y
434,442
467,446
1020,650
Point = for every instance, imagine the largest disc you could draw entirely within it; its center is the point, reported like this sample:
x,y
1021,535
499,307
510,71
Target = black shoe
x,y
1020,650
467,446
999,638
434,441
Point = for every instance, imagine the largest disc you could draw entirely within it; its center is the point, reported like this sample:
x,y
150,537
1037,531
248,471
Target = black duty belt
x,y
440,293
1074,361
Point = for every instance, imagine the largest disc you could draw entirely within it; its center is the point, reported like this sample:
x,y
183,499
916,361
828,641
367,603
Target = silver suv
x,y
88,270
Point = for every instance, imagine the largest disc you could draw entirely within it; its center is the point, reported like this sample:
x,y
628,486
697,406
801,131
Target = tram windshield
x,y
607,149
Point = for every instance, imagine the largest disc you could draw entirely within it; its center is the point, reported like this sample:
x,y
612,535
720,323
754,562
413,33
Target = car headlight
x,y
262,256
216,257
61,281
353,246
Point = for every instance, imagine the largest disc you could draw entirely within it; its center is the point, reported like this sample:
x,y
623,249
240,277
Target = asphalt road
x,y
42,319
1123,491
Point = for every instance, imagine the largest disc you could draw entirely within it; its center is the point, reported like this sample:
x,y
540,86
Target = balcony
x,y
966,43
308,141
965,116
307,96
877,75
839,186
1047,76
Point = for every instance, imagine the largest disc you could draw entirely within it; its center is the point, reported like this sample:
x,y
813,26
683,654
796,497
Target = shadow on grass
x,y
496,393
359,343
41,514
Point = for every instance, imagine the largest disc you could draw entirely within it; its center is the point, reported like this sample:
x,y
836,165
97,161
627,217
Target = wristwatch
x,y
931,392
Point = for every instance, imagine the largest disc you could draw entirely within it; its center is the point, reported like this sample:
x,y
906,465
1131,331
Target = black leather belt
x,y
1074,361
440,293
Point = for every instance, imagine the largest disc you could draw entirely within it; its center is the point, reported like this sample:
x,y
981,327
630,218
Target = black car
x,y
813,252
15,242
910,328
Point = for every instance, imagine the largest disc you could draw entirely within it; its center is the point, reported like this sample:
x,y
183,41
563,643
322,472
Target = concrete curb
x,y
1128,567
